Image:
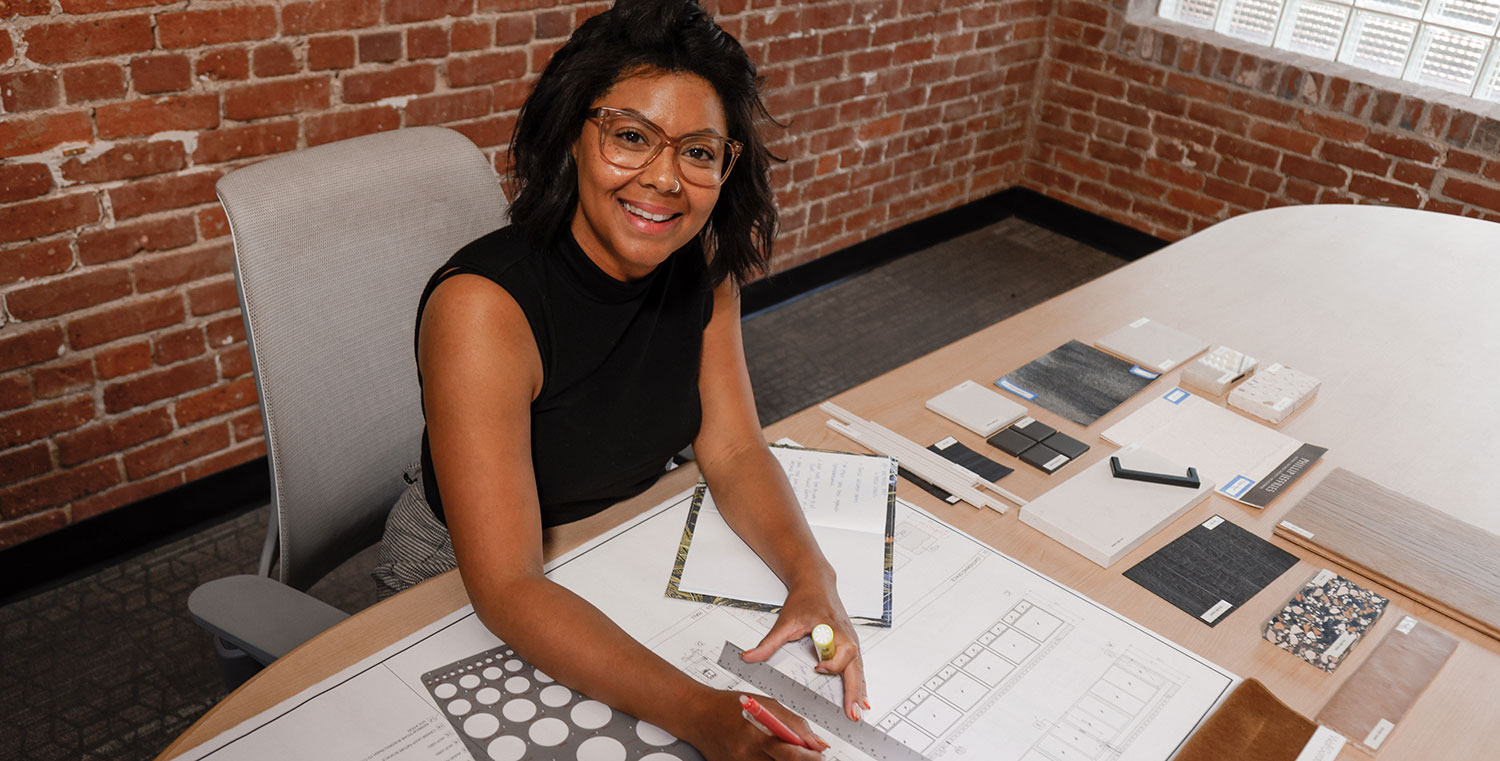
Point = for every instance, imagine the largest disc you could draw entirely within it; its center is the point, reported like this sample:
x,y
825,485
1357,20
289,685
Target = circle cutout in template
x,y
659,756
459,707
541,677
488,696
556,696
468,681
517,684
445,690
548,731
481,725
512,665
651,734
601,748
506,748
519,710
590,714
492,673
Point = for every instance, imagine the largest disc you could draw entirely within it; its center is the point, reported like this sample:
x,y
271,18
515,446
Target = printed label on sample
x,y
1286,401
945,443
1056,462
1014,389
1176,396
1212,614
1143,372
1341,644
1324,745
1322,578
1167,365
1237,486
1377,735
1140,322
1213,523
1284,475
1405,627
1298,530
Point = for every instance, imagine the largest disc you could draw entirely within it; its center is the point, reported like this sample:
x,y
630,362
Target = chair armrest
x,y
263,617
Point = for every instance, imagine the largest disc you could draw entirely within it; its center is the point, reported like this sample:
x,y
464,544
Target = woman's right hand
x,y
722,733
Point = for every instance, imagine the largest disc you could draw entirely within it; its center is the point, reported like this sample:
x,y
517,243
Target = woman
x,y
605,320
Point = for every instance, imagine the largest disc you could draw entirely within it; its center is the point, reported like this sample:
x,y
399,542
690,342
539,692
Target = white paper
x,y
845,499
1324,745
987,659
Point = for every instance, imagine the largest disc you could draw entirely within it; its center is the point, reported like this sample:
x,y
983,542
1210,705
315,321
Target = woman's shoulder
x,y
493,252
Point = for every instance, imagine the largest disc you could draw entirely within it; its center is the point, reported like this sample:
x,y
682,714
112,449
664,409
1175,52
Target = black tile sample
x,y
1041,456
1077,381
1209,567
1065,444
1011,442
1036,430
956,452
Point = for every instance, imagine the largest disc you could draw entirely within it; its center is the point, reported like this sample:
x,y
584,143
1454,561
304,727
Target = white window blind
x,y
1451,44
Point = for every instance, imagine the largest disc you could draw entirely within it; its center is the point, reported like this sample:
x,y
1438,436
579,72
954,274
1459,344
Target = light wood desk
x,y
1396,311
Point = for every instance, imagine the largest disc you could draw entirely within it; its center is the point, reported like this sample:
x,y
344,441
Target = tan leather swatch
x,y
1251,725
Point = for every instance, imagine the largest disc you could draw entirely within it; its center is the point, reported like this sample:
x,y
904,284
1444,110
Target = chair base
x,y
235,665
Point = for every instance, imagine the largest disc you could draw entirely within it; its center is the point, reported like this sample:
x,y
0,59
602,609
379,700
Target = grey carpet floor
x,y
109,666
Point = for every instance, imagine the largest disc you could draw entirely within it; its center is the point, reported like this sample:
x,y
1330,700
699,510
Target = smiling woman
x,y
566,357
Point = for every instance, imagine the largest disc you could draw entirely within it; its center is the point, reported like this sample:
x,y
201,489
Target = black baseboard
x,y
1085,227
88,546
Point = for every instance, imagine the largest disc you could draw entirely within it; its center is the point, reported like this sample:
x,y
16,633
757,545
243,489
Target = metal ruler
x,y
816,708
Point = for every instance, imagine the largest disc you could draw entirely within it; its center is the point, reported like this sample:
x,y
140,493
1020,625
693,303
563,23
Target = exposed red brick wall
x,y
1170,135
123,368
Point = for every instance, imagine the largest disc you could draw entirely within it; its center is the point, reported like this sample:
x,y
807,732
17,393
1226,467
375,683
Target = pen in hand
x,y
756,713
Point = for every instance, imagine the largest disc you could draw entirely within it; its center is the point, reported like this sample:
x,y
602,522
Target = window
x,y
1450,44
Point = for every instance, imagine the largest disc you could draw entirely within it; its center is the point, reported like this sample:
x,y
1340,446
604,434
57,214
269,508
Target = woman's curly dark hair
x,y
633,36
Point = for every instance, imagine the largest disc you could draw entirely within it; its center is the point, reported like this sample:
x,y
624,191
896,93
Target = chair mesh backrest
x,y
332,246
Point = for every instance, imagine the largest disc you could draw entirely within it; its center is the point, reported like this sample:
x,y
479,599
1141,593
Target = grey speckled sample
x,y
1077,381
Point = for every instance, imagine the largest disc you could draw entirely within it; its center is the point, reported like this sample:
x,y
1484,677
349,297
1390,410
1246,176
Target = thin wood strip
x,y
1450,565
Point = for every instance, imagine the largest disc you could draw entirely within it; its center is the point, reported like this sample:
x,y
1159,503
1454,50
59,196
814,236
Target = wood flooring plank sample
x,y
1427,554
1368,706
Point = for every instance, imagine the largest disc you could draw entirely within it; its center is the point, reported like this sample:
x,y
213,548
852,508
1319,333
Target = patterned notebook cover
x,y
1322,623
506,710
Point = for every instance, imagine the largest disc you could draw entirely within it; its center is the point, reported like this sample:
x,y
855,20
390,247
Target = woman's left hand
x,y
808,605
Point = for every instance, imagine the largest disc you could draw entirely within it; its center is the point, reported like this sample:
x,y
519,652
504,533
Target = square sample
x,y
1077,381
1152,345
1324,620
1212,569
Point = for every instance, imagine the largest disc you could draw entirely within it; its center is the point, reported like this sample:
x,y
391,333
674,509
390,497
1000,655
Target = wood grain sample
x,y
1374,700
1445,563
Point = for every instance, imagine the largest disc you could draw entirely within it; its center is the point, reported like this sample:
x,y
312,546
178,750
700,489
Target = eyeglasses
x,y
631,141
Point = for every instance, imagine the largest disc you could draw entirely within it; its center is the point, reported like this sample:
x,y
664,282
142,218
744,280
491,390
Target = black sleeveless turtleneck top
x,y
620,362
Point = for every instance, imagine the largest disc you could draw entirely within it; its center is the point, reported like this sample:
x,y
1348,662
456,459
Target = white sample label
x,y
1324,745
1056,462
1406,625
1377,735
1167,365
1212,614
1295,529
1213,523
1140,322
1274,368
1286,401
1023,422
1341,644
945,443
1323,575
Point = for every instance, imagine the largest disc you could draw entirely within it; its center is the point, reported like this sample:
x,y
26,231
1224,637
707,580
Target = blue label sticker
x,y
1143,372
1176,396
1237,487
1014,389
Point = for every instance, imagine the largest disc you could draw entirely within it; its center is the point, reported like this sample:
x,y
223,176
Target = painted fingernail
x,y
859,713
866,701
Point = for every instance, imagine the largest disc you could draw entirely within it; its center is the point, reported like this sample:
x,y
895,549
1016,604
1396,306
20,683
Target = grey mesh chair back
x,y
332,246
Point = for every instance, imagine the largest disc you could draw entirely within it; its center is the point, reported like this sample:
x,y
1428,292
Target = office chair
x,y
332,246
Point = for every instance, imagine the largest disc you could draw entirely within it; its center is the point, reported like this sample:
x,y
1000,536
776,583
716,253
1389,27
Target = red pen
x,y
784,733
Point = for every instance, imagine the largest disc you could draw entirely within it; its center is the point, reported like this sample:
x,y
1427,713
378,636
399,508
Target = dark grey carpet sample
x,y
1077,381
1198,570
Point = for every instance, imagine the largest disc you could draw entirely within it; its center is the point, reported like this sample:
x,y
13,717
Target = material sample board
x,y
1251,725
1152,345
953,451
1325,619
1077,381
1402,543
1102,517
1211,570
1250,462
1371,703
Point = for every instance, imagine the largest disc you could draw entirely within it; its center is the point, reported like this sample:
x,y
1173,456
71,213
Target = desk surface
x,y
1392,309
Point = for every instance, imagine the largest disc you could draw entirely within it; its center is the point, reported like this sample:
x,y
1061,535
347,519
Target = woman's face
x,y
616,219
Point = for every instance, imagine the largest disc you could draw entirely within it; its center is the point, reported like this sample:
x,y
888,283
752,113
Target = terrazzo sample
x,y
1077,381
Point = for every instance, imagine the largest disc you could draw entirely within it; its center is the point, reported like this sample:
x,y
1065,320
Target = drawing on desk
x,y
1077,381
504,709
1060,659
